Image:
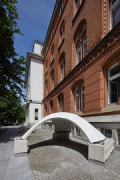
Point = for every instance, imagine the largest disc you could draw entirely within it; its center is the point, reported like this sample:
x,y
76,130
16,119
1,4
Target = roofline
x,y
39,42
51,22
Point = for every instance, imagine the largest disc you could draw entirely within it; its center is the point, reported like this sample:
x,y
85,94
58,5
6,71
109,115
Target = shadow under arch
x,y
70,144
63,122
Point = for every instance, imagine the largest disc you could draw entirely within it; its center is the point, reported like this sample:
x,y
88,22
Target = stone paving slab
x,y
12,167
67,160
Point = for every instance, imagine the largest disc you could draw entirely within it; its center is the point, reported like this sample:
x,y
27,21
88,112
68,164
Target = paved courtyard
x,y
12,167
52,160
67,160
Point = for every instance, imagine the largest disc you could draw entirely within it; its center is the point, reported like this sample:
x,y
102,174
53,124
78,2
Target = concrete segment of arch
x,y
63,122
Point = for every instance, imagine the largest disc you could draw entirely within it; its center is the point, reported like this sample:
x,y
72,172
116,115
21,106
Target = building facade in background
x,y
82,63
34,84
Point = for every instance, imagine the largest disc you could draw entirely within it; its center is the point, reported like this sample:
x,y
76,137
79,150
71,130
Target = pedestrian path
x,y
12,167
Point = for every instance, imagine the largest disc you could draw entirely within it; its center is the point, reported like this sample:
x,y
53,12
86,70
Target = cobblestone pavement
x,y
67,160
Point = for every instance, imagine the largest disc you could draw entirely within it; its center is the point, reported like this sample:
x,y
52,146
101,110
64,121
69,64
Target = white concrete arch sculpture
x,y
93,135
63,122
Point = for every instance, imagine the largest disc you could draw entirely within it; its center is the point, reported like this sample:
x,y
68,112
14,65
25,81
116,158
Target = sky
x,y
34,20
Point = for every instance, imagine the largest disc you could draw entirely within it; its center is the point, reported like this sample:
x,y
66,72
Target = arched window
x,y
52,79
114,84
51,106
80,38
114,13
62,66
52,53
77,2
61,7
84,45
62,32
46,86
81,47
61,102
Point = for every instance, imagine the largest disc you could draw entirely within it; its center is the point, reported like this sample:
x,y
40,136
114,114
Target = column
x,y
115,136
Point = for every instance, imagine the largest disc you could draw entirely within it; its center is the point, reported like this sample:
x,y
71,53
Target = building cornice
x,y
98,50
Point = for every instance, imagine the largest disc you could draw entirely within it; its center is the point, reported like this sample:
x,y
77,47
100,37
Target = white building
x,y
34,84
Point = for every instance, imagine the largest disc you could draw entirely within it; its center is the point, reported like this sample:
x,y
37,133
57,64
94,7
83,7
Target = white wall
x,y
28,90
36,80
37,49
35,85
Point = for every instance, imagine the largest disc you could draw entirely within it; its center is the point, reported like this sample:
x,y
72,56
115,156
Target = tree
x,y
12,67
11,109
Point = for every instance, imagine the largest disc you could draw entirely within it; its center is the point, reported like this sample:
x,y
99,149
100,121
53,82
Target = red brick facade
x,y
69,26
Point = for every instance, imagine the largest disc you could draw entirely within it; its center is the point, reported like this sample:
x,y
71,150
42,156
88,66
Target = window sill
x,y
111,108
61,44
78,12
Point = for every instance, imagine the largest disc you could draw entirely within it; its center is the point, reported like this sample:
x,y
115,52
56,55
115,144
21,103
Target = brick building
x,y
82,62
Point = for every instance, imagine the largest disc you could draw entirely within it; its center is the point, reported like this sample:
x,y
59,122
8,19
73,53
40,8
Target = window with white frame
x,y
62,32
77,99
82,97
78,52
36,114
115,13
114,84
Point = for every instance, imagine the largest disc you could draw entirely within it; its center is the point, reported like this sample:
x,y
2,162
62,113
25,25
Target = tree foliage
x,y
12,67
11,109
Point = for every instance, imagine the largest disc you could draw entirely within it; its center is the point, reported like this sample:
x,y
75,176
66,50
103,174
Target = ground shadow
x,y
81,148
9,133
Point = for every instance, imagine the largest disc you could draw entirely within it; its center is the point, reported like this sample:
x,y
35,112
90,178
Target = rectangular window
x,y
36,114
108,133
114,84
